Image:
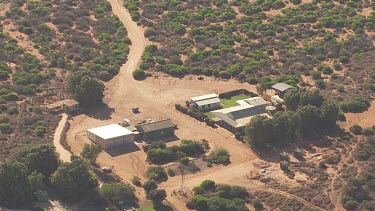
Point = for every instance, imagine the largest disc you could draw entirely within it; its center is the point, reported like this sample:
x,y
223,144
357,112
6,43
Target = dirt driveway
x,y
156,98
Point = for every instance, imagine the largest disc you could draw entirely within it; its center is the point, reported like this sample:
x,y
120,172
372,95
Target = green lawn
x,y
148,206
209,114
226,103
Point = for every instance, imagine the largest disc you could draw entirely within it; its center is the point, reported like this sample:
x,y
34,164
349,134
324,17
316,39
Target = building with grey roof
x,y
236,118
156,129
281,87
205,102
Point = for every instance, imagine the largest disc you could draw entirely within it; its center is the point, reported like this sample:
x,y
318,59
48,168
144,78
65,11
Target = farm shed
x,y
110,136
205,102
257,101
67,106
281,88
235,118
156,129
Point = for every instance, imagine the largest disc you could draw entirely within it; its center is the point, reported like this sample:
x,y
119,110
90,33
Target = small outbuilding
x,y
67,106
205,102
281,88
156,129
110,136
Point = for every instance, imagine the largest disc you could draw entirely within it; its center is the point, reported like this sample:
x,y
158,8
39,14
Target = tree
x,y
113,193
157,196
330,113
14,184
91,152
73,180
150,185
259,130
208,185
156,173
85,89
310,119
42,159
35,181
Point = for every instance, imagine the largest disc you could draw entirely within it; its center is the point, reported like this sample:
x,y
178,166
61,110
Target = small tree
x,y
157,196
139,74
91,152
257,203
356,129
150,185
113,193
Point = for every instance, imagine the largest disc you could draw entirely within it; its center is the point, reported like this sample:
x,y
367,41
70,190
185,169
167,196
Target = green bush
x,y
257,203
139,74
368,131
156,173
6,128
356,129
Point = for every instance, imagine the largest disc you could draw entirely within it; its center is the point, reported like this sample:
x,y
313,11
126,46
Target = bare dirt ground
x,y
64,154
155,98
365,119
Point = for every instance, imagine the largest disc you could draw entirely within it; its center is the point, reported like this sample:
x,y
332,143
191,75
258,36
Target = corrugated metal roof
x,y
281,87
203,97
153,126
208,101
257,101
110,131
239,116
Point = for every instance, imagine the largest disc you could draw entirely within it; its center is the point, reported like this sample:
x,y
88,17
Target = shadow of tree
x,y
102,112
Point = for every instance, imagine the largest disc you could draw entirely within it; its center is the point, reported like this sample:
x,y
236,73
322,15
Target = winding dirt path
x,y
156,98
64,154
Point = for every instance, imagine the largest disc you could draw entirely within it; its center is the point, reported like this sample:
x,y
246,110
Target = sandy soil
x,y
23,40
64,154
156,97
365,119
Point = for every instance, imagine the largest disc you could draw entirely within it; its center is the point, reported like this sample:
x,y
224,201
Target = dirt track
x,y
64,154
156,98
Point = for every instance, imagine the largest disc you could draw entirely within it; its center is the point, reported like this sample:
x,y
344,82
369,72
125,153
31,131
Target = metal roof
x,y
281,87
153,126
110,131
239,116
208,101
67,102
257,101
204,97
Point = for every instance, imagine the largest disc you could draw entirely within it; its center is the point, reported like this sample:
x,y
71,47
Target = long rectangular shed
x,y
156,129
110,136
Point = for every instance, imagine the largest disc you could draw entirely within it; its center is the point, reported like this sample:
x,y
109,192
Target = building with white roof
x,y
205,102
110,136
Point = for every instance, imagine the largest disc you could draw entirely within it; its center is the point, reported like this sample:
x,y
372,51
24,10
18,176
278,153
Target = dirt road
x,y
156,98
64,154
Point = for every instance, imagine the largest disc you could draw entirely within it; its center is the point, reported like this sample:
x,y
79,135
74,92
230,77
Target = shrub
x,y
257,203
224,75
156,173
6,128
356,129
136,181
150,185
351,205
171,172
139,74
342,117
368,131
